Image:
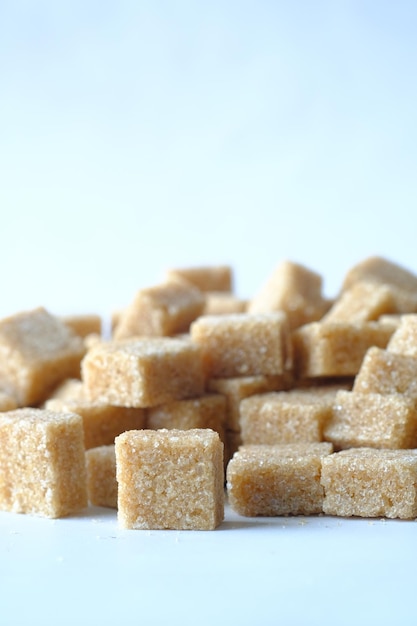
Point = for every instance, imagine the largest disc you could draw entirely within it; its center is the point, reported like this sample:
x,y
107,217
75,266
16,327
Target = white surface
x,y
291,571
136,136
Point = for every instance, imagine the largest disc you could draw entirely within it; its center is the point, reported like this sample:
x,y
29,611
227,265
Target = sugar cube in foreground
x,y
42,463
370,483
170,479
277,480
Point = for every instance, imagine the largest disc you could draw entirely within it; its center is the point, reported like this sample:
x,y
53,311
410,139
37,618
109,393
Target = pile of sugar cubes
x,y
288,403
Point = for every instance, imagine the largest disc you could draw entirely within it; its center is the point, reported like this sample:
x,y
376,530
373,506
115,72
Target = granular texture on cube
x,y
404,339
207,411
101,422
42,463
336,349
170,479
370,483
378,270
161,310
101,476
292,288
383,371
37,352
362,302
238,388
143,372
372,420
284,417
242,344
277,480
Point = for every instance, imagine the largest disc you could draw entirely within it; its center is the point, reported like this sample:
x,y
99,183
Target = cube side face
x,y
170,480
42,466
243,345
103,423
67,454
274,485
37,351
112,377
207,411
270,419
404,339
387,373
162,310
236,389
372,420
370,484
362,302
101,476
143,374
336,349
172,376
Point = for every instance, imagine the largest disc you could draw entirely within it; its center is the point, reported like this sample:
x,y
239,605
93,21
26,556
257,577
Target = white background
x,y
137,136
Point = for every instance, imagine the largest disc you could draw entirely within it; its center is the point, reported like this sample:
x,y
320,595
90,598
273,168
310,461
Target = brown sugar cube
x,y
101,476
387,372
336,349
294,289
236,389
362,302
159,311
372,420
232,443
379,270
69,389
7,402
143,373
277,480
42,463
221,302
84,325
37,352
172,479
404,339
101,422
280,417
370,483
241,344
205,278
207,411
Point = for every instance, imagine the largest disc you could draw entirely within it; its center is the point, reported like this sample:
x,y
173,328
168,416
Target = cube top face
x,y
387,372
206,278
170,479
38,336
381,270
42,420
363,458
263,455
362,302
162,310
